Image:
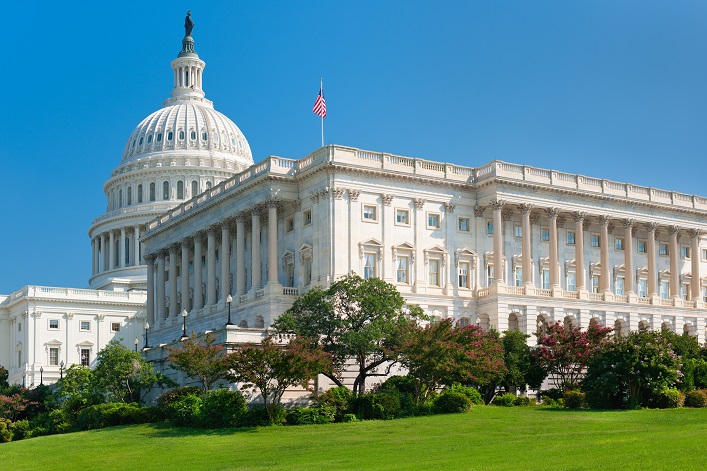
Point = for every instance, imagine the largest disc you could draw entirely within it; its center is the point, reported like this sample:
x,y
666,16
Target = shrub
x,y
552,393
21,430
452,403
115,413
172,395
310,416
223,408
349,418
695,398
573,399
425,409
5,430
668,398
339,399
258,417
383,405
522,401
505,400
185,411
472,393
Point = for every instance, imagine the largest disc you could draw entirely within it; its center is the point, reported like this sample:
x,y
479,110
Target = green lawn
x,y
488,438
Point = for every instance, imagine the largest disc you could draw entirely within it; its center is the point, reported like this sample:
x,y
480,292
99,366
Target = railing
x,y
690,304
666,302
643,300
482,292
570,294
546,293
621,298
243,298
288,291
596,297
259,293
515,290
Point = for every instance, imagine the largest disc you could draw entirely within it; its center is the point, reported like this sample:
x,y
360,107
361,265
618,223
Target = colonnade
x,y
110,250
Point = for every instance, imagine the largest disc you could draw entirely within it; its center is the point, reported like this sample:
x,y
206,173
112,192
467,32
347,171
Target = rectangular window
x,y
571,281
643,288
54,356
570,237
85,326
308,217
545,278
433,220
519,276
307,271
685,291
290,224
490,276
704,294
595,283
464,274
53,324
685,251
619,243
489,227
619,286
402,217
433,268
370,213
544,234
517,231
115,326
463,224
664,289
85,357
290,272
594,239
369,265
401,270
704,255
663,249
642,246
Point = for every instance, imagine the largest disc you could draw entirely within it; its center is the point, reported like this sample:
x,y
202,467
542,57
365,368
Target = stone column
x,y
695,286
526,249
111,251
121,248
256,267
240,255
225,260
497,206
94,251
554,262
652,269
604,248
211,266
272,243
150,289
173,281
674,261
185,275
628,256
579,250
197,301
160,287
138,257
104,257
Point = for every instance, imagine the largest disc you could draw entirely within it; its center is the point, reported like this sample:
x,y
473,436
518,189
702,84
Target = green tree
x,y
3,377
444,354
356,320
272,367
200,359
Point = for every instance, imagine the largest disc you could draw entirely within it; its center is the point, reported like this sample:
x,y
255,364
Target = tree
x,y
356,320
272,368
564,351
3,377
12,406
122,374
443,354
200,360
521,369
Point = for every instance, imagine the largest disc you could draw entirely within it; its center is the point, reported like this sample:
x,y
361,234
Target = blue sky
x,y
613,89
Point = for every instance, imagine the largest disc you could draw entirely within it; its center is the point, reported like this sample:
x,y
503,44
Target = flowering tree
x,y
200,360
272,368
443,353
564,351
12,406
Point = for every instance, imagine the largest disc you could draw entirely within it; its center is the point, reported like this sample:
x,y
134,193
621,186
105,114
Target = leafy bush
x,y
552,393
452,403
383,405
172,395
668,398
425,409
310,416
5,430
573,399
505,400
472,393
349,418
21,430
339,399
258,416
115,413
184,411
696,398
522,401
223,408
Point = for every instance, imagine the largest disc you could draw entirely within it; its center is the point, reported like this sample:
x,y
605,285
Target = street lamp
x,y
61,370
41,376
184,324
24,376
136,342
229,300
147,326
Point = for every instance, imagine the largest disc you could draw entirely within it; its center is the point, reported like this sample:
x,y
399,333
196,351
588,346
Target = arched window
x,y
165,190
194,188
159,137
181,135
180,190
139,193
259,322
120,198
130,195
152,191
204,136
140,143
192,135
170,135
208,185
149,138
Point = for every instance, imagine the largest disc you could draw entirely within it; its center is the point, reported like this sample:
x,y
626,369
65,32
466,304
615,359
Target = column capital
x,y
388,199
173,249
507,214
149,257
478,211
561,221
354,194
338,192
212,229
695,233
497,205
314,197
651,226
604,220
255,211
419,202
274,202
240,218
449,207
225,224
579,216
673,230
552,213
525,208
629,223
297,204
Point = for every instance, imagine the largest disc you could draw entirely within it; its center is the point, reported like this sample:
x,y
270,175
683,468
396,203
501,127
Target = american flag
x,y
320,104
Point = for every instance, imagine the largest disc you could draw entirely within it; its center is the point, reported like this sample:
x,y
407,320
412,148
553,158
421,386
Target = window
x,y
120,198
369,265
642,246
180,190
594,240
619,243
370,213
53,324
664,289
192,135
115,326
463,224
570,237
85,357
208,185
684,291
149,139
181,135
433,220
545,275
433,272
130,195
489,227
704,255
464,274
619,288
194,188
290,274
401,270
165,190
85,326
204,136
544,234
643,288
595,283
402,217
290,224
571,281
308,217
139,193
159,137
140,143
490,275
54,356
170,135
684,251
663,249
308,271
519,276
517,231
152,191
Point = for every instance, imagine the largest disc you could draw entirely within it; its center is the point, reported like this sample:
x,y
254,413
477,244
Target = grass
x,y
486,439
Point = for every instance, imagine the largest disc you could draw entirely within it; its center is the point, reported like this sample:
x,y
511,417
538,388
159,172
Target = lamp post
x,y
184,324
229,300
147,326
136,342
24,377
41,376
61,370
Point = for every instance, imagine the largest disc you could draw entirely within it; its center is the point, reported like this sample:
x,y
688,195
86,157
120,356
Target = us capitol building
x,y
195,233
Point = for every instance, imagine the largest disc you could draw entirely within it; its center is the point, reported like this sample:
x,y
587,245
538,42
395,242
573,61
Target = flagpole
x,y
321,91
